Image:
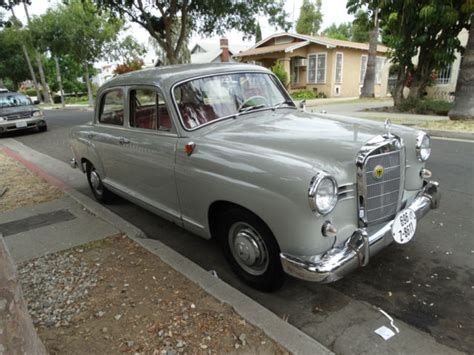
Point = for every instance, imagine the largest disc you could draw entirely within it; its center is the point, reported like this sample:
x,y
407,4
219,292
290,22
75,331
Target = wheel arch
x,y
220,206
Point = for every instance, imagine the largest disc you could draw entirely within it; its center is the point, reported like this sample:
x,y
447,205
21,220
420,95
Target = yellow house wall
x,y
350,85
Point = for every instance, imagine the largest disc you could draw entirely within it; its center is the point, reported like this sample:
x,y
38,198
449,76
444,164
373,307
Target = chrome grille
x,y
382,194
379,197
18,116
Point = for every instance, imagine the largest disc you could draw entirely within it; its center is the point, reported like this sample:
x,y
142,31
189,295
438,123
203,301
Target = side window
x,y
111,109
148,110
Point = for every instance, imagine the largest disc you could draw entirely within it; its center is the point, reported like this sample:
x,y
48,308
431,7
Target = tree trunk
x,y
44,84
464,97
398,91
421,77
58,75
369,80
32,73
28,61
89,86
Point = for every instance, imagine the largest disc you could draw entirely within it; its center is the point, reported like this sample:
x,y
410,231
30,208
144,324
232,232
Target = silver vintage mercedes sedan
x,y
222,150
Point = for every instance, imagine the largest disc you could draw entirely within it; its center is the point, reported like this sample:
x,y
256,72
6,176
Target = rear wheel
x,y
95,182
251,249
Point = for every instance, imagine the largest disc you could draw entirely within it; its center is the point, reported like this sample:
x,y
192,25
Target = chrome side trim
x,y
358,248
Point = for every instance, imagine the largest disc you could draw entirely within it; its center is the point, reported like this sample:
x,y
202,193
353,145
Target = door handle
x,y
123,140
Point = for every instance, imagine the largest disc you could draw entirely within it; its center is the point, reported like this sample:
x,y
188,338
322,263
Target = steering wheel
x,y
249,99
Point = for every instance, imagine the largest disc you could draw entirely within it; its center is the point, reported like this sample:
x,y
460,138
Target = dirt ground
x,y
140,305
19,187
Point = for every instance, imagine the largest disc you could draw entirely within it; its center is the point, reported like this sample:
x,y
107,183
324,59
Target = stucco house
x,y
320,64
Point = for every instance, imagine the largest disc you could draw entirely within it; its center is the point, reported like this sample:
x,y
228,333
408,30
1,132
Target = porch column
x,y
286,65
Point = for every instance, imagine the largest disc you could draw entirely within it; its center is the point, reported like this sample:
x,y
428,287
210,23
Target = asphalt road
x,y
428,283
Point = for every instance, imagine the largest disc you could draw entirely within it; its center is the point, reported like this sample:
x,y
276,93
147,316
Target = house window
x,y
363,68
317,68
294,74
379,62
444,75
339,59
378,69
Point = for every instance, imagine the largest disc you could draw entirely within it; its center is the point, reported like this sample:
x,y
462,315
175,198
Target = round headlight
x,y
423,146
322,194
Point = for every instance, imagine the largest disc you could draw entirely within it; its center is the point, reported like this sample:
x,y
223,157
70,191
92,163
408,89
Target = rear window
x,y
148,110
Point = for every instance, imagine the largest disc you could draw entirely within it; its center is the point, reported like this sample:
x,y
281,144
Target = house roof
x,y
306,40
212,51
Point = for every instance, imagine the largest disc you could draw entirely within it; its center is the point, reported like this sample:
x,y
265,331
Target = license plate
x,y
404,226
21,124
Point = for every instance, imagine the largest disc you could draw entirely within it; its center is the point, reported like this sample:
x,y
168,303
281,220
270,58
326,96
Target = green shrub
x,y
280,72
76,100
302,95
29,92
425,107
321,95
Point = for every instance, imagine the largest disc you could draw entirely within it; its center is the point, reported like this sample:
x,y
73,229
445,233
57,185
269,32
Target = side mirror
x,y
302,105
36,102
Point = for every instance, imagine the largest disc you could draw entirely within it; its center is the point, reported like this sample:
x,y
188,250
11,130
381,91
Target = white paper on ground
x,y
385,332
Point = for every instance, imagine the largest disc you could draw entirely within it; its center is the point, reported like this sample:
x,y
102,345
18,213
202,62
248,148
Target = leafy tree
x,y
8,5
310,19
360,27
170,22
129,66
428,28
13,66
38,56
373,7
71,74
464,96
92,35
184,55
342,31
258,34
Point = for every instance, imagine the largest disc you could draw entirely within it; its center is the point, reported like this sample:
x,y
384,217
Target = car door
x,y
108,128
147,148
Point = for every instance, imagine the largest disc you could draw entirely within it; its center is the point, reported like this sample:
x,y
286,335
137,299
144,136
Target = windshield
x,y
13,100
204,100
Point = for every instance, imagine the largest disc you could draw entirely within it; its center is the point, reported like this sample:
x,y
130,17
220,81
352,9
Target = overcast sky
x,y
334,11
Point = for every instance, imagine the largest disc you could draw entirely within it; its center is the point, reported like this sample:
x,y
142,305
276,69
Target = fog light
x,y
425,173
328,229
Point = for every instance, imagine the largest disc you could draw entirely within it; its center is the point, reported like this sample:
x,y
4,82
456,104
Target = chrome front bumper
x,y
10,126
356,251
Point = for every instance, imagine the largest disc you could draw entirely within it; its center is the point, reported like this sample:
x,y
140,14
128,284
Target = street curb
x,y
285,334
274,327
449,134
75,108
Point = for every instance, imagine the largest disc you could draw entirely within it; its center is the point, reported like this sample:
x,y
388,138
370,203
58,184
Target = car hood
x,y
327,142
5,111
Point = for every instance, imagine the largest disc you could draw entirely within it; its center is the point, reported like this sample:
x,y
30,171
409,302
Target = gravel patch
x,y
56,287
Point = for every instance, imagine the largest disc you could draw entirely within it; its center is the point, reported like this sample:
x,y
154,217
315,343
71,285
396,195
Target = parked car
x,y
18,112
2,90
221,150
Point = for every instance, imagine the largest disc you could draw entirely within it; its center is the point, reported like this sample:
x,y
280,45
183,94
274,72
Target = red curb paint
x,y
36,169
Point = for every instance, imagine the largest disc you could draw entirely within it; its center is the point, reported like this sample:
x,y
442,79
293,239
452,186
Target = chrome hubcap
x,y
248,248
96,182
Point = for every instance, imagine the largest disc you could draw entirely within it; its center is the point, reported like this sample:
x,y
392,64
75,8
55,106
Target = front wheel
x,y
95,182
251,250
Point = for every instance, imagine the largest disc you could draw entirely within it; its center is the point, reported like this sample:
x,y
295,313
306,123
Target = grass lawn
x,y
443,125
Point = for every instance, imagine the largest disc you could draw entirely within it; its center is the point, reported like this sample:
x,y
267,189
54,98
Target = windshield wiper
x,y
251,108
287,102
